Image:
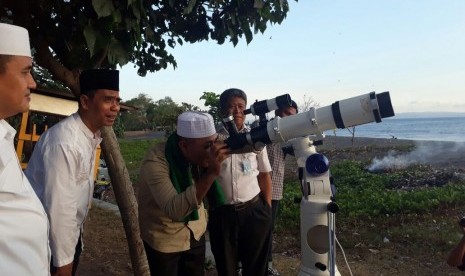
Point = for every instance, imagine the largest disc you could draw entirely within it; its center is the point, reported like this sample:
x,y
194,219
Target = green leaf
x,y
130,2
258,4
117,54
190,6
117,17
103,7
136,11
91,36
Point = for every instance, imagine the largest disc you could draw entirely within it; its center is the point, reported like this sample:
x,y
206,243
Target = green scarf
x,y
181,175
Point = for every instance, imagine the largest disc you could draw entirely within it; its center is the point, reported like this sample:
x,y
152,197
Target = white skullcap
x,y
194,124
14,40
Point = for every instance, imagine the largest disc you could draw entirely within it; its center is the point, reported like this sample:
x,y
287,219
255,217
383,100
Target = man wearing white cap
x,y
24,246
174,179
61,168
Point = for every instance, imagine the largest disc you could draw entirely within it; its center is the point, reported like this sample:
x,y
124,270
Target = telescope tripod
x,y
317,210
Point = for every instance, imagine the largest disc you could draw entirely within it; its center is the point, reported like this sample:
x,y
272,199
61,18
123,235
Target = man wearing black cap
x,y
61,168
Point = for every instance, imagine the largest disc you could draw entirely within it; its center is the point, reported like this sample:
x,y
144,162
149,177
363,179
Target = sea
x,y
428,129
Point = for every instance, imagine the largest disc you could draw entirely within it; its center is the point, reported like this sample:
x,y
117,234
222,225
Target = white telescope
x,y
317,208
350,112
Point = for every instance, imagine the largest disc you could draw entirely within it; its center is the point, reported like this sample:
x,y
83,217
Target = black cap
x,y
94,79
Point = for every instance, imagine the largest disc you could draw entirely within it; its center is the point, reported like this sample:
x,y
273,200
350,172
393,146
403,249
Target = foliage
x,y
45,79
289,211
166,113
361,194
75,35
153,115
139,119
118,127
189,107
212,100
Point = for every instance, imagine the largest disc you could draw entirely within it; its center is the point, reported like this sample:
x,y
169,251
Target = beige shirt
x,y
162,209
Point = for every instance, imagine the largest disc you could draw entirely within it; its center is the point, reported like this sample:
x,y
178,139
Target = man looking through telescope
x,y
239,229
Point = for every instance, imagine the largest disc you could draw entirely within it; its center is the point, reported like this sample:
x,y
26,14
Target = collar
x,y
85,129
7,132
244,128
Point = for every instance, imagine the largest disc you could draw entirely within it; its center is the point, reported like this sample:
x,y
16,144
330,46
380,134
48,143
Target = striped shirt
x,y
276,157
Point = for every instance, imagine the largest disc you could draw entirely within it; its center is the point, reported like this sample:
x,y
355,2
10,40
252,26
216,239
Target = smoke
x,y
425,152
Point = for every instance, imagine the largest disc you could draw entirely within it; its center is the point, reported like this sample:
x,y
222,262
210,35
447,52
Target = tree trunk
x,y
126,200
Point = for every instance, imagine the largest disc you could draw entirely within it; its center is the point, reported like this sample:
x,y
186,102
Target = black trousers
x,y
77,255
241,235
184,263
274,214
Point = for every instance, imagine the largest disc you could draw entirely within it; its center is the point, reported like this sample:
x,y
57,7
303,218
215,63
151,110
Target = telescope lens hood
x,y
384,104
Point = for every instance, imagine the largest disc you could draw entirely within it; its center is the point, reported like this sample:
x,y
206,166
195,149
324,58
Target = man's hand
x,y
219,151
66,270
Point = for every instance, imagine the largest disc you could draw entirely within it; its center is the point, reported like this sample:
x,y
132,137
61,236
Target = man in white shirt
x,y
239,229
61,168
24,246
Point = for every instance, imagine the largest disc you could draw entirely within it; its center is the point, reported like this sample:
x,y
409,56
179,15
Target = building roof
x,y
59,101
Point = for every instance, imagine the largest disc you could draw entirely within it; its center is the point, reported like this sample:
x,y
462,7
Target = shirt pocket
x,y
83,173
252,159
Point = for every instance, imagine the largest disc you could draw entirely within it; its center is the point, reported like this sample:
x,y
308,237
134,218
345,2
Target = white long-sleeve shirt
x,y
61,172
24,248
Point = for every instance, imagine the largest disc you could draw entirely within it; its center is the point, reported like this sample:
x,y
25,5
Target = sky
x,y
329,51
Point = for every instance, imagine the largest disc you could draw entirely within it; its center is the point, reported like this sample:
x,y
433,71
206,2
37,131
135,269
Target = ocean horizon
x,y
428,129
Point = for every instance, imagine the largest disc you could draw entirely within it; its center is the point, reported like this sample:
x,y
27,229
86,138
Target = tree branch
x,y
45,59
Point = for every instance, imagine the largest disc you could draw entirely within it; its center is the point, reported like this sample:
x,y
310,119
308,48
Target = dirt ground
x,y
106,252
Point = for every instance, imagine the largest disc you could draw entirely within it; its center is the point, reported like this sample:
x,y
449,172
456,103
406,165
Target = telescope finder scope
x,y
265,106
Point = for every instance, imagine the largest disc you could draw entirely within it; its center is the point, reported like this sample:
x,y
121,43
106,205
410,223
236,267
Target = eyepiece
x,y
230,126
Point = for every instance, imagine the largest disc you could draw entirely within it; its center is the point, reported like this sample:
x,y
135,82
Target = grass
x,y
133,152
361,194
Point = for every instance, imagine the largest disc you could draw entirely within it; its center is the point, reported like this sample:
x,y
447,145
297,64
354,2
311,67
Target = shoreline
x,y
344,142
